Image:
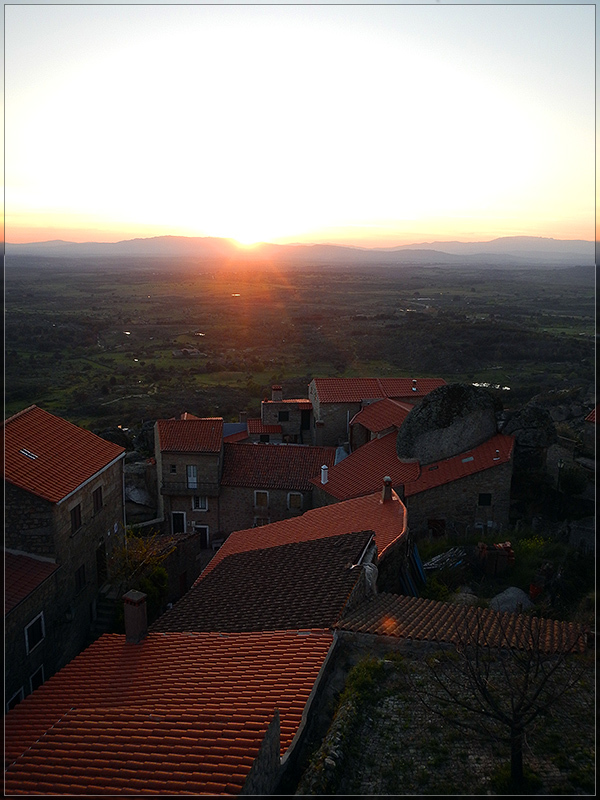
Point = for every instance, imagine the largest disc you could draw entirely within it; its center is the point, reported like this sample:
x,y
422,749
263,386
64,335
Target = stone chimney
x,y
276,393
136,620
386,492
243,416
324,473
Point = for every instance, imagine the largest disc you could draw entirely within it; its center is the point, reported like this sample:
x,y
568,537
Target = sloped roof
x,y
50,457
428,620
23,574
203,435
591,417
289,466
177,713
255,425
353,390
381,415
387,521
293,586
301,402
363,470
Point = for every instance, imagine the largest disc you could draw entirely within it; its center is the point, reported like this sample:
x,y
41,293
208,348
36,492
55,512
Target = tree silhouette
x,y
505,671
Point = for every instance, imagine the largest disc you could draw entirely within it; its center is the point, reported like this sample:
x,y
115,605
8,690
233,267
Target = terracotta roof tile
x,y
179,712
23,574
382,414
264,589
429,620
591,417
387,520
363,470
353,390
255,426
289,466
50,457
202,435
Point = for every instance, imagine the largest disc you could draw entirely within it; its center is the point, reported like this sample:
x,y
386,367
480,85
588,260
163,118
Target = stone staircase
x,y
106,609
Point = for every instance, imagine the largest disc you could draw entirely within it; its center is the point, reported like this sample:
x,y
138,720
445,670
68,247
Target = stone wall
x,y
238,509
28,522
458,501
265,770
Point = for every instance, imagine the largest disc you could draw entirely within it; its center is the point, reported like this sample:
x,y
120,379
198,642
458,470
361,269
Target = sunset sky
x,y
371,125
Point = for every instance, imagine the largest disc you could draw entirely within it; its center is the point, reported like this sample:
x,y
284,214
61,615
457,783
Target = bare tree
x,y
504,671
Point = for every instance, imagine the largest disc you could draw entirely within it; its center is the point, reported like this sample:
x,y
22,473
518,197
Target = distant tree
x,y
498,690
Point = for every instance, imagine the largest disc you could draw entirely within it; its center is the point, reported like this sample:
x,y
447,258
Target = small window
x,y
264,437
15,699
76,518
173,469
485,499
284,416
97,499
200,503
35,632
294,501
37,678
192,476
261,499
80,579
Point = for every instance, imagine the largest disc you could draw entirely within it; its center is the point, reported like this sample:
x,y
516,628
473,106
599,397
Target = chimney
x,y
243,416
324,473
136,621
276,393
414,386
386,492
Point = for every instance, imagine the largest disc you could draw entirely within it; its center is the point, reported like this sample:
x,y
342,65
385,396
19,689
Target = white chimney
x,y
414,385
324,473
136,620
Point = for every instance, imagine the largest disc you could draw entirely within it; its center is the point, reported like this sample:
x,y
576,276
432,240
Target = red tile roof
x,y
23,574
177,713
299,585
387,521
255,425
353,390
381,415
363,470
50,457
203,435
239,436
301,402
429,620
286,466
591,417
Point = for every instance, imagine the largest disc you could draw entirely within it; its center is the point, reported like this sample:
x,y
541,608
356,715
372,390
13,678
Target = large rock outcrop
x,y
448,421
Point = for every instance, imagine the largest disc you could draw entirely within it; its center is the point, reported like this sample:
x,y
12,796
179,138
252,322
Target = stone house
x,y
294,416
336,401
376,419
64,505
211,487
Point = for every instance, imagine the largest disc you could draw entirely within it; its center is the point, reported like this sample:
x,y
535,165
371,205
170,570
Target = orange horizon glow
x,y
352,237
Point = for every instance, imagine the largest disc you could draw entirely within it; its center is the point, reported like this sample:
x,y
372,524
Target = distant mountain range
x,y
505,251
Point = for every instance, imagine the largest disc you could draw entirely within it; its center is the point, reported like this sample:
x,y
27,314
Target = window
x,y
37,678
485,499
204,535
178,521
76,518
264,437
261,499
284,416
173,469
80,579
35,632
97,499
192,476
15,699
200,503
294,500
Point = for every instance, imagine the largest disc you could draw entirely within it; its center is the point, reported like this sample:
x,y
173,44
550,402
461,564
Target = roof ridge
x,y
20,413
